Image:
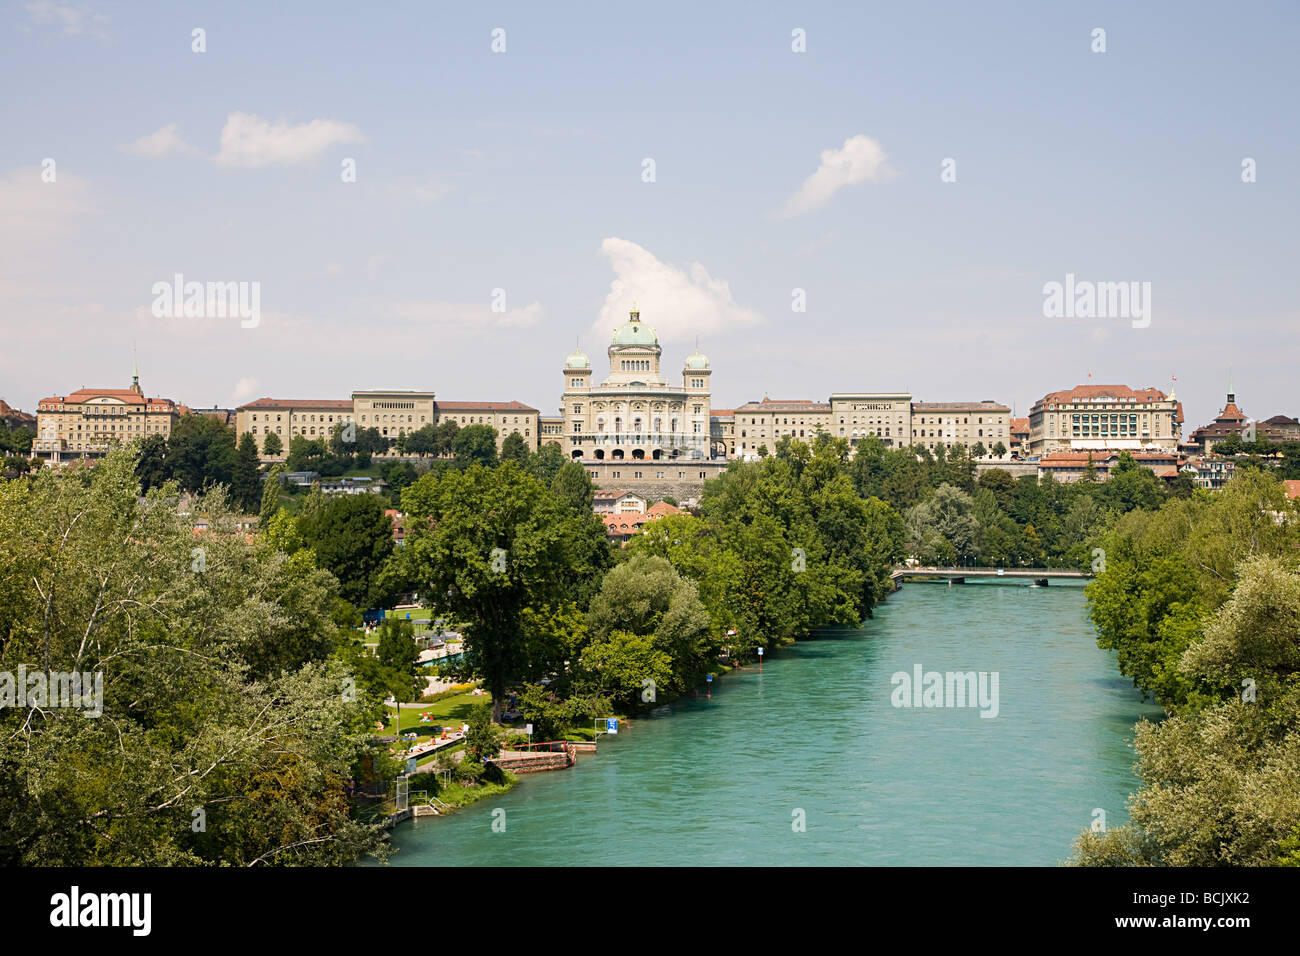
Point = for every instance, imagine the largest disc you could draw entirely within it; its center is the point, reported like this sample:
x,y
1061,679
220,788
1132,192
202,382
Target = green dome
x,y
577,360
635,332
698,360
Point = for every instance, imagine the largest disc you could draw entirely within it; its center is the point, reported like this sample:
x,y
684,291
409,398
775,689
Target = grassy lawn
x,y
417,614
452,711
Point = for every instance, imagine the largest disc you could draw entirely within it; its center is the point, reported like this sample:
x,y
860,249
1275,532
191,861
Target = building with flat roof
x,y
760,425
972,424
393,412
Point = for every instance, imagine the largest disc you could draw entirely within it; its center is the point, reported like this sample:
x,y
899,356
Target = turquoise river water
x,y
815,738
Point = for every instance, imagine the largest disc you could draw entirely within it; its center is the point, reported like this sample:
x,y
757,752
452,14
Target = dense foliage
x,y
1201,601
229,729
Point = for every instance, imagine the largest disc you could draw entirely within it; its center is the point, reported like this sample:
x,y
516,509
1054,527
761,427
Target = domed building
x,y
635,414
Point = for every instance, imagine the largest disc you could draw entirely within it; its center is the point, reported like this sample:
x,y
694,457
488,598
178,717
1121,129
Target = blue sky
x,y
523,171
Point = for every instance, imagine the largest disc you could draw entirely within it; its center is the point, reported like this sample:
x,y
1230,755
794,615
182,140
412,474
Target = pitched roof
x,y
483,407
1292,488
785,405
986,406
626,523
659,509
1103,457
1084,392
335,403
125,395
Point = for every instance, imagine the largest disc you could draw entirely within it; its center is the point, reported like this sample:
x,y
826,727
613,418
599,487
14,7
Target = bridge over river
x,y
1039,576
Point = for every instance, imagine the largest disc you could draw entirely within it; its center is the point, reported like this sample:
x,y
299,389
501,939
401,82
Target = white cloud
x,y
860,160
73,20
163,142
248,140
677,303
245,391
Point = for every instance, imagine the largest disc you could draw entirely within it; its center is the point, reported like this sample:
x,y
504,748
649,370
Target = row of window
x,y
636,474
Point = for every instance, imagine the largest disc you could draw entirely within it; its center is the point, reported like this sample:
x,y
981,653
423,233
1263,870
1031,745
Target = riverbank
x,y
718,780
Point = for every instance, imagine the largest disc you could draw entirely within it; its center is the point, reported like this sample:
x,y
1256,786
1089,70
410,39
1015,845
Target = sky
x,y
828,197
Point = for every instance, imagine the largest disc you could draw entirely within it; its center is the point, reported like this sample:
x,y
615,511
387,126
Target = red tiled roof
x,y
1080,392
124,395
483,407
628,523
1292,488
1019,425
662,508
610,494
722,413
336,403
790,405
948,406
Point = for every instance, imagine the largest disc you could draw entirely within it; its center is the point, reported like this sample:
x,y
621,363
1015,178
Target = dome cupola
x,y
635,332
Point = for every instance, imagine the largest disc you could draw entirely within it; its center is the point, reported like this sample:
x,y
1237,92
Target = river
x,y
815,739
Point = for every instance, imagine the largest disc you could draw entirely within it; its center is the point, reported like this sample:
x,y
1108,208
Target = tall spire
x,y
135,373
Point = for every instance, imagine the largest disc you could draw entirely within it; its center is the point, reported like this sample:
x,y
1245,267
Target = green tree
x,y
271,444
622,662
482,741
245,487
476,444
352,538
152,468
396,651
485,545
219,688
573,485
545,463
943,526
422,441
201,452
1219,780
514,448
646,597
270,496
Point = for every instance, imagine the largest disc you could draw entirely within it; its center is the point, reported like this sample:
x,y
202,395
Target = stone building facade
x,y
636,414
88,422
1105,417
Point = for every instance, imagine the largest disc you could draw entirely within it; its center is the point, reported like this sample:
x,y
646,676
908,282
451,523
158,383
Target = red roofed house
x,y
90,421
1073,466
616,500
1105,418
1233,421
621,526
662,508
11,417
1019,436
